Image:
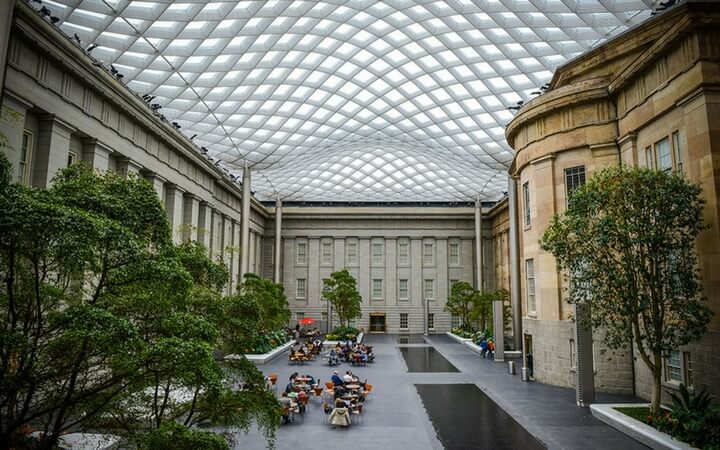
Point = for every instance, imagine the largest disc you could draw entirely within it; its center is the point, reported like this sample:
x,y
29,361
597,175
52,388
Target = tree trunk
x,y
657,385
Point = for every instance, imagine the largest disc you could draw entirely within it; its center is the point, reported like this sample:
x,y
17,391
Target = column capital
x,y
174,187
52,118
190,195
153,176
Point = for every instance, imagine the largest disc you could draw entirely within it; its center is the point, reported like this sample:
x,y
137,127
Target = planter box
x,y
634,428
327,344
266,357
458,339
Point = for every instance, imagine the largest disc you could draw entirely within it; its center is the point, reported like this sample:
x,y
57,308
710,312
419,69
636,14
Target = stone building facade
x,y
650,97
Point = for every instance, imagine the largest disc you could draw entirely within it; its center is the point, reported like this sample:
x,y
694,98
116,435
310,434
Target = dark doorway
x,y
377,323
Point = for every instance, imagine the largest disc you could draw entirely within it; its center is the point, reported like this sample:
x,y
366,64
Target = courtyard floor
x,y
419,402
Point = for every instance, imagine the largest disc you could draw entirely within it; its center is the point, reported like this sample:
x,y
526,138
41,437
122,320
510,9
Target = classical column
x,y
204,224
96,154
515,264
127,166
278,240
245,222
499,327
174,208
53,147
157,182
191,217
478,246
6,14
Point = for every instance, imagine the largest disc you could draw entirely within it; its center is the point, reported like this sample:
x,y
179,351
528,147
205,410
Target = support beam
x,y
96,154
478,247
204,224
6,16
498,331
278,240
174,206
515,265
53,147
157,182
245,223
191,217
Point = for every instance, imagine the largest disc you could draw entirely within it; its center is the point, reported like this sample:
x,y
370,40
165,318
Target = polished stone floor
x,y
406,408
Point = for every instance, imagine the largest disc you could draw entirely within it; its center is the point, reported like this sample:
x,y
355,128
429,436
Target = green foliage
x,y
178,437
344,333
627,244
341,291
692,419
251,317
462,302
103,317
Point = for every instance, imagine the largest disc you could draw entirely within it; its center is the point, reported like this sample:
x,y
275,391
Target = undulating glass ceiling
x,y
347,100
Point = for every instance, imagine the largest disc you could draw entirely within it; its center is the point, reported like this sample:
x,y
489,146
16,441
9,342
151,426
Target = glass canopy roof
x,y
346,100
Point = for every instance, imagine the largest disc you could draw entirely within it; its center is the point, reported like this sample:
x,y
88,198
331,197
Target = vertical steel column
x,y
515,265
278,240
478,246
245,223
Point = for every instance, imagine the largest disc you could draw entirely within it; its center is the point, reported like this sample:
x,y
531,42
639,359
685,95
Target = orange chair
x,y
273,377
330,388
367,391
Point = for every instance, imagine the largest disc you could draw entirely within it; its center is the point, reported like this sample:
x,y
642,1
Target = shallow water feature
x,y
426,359
410,339
464,418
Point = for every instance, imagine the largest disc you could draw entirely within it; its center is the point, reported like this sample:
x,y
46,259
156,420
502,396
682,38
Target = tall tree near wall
x,y
461,303
627,245
341,291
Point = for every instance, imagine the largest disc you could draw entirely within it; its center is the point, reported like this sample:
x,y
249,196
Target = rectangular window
x,y
673,367
431,321
351,253
530,285
574,178
454,254
302,253
327,253
649,158
573,354
300,288
299,315
403,289
377,288
403,321
430,289
377,253
72,158
428,254
526,203
664,157
403,253
677,152
26,151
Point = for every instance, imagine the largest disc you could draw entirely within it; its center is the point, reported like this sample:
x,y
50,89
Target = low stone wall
x,y
634,428
266,357
458,339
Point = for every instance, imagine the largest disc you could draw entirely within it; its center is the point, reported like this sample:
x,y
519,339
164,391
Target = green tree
x,y
102,316
627,245
462,301
341,291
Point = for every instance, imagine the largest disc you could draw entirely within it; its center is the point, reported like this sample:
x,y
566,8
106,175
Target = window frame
x,y
454,259
377,258
304,260
404,259
428,260
432,288
530,293
323,260
25,165
684,370
354,246
304,288
571,184
527,220
400,289
374,288
431,321
404,318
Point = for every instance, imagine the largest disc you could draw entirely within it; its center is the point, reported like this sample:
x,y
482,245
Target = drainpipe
x,y
515,265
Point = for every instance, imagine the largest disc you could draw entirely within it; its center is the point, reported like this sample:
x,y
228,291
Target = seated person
x,y
286,402
347,378
340,416
337,381
333,359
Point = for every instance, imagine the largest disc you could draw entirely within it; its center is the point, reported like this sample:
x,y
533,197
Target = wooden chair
x,y
318,391
367,391
357,413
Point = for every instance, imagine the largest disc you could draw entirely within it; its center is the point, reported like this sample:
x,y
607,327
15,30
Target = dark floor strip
x,y
410,339
426,359
465,418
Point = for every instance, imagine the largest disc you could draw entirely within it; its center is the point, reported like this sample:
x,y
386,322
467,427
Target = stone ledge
x,y
457,338
266,357
634,428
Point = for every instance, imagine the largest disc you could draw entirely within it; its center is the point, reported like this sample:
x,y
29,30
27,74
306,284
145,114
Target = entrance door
x,y
377,323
